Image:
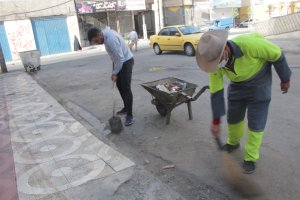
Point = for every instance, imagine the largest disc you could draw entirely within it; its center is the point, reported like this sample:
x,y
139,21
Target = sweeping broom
x,y
115,122
234,175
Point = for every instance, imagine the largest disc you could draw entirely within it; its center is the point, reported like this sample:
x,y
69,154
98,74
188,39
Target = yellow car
x,y
176,38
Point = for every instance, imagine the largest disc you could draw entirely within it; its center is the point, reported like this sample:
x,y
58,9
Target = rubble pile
x,y
172,87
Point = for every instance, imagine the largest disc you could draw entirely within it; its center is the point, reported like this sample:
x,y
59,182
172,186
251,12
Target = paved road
x,y
84,87
46,154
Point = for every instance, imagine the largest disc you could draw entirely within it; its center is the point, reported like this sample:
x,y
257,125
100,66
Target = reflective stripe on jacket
x,y
253,56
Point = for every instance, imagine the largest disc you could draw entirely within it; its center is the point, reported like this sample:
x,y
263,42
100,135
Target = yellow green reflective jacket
x,y
251,53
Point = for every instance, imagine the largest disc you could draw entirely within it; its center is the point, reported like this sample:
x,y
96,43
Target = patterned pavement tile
x,y
116,160
53,152
45,178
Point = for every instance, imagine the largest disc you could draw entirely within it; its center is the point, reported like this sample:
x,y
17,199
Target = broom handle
x,y
219,143
114,97
114,92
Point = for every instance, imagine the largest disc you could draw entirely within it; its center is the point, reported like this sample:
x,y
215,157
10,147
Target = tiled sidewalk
x,y
8,185
52,152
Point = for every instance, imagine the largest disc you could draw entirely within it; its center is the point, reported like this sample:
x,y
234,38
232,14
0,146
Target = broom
x,y
234,175
115,122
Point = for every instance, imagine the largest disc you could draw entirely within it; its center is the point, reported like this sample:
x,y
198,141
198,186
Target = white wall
x,y
25,9
278,25
20,37
72,23
219,13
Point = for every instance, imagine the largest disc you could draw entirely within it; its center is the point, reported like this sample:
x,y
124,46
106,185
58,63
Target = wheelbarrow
x,y
166,101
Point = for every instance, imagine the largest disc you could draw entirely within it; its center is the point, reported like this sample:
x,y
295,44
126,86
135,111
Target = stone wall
x,y
278,25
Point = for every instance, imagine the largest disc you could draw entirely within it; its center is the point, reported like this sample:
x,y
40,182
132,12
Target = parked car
x,y
219,24
245,24
176,38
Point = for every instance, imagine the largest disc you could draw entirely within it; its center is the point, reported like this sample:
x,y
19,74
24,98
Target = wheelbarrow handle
x,y
199,93
189,98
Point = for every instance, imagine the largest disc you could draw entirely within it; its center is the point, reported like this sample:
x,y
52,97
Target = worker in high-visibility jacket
x,y
246,61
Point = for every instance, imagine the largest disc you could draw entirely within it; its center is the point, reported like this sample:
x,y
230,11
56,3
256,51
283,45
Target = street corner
x,y
55,155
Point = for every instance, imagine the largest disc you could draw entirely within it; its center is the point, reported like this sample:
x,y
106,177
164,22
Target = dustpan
x,y
115,122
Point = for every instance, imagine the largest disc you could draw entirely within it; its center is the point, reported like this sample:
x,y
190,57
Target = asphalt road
x,y
85,84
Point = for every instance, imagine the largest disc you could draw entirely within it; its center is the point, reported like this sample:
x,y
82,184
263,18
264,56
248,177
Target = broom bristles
x,y
241,182
116,125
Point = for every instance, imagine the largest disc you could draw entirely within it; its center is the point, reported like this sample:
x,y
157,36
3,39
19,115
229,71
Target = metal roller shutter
x,y
51,35
4,43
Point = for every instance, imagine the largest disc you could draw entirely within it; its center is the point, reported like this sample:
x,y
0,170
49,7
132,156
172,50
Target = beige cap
x,y
210,48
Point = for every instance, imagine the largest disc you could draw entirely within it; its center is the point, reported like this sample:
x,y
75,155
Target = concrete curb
x,y
87,51
119,177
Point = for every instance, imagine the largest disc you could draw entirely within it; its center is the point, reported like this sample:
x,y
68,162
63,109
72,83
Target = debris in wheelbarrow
x,y
172,87
165,100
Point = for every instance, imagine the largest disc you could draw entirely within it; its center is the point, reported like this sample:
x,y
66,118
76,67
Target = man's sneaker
x,y
230,148
249,167
129,120
122,112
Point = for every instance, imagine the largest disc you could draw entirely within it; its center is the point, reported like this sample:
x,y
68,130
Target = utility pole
x,y
155,8
2,61
286,7
161,14
145,34
107,18
193,12
117,18
132,19
183,11
211,6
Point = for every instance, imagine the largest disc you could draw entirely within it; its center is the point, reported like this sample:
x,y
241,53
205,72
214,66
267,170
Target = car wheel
x,y
189,50
227,28
156,49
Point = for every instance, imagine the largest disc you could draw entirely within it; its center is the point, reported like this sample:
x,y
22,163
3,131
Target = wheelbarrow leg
x,y
189,105
168,117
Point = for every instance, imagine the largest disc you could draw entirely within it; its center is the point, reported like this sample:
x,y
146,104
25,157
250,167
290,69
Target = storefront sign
x,y
171,3
227,3
93,6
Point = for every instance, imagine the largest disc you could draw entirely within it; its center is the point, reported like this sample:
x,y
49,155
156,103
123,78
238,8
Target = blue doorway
x,y
4,43
51,35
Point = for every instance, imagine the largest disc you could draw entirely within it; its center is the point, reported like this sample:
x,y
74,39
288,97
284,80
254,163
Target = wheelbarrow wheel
x,y
162,110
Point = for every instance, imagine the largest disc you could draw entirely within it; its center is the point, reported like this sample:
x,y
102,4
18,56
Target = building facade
x,y
27,25
266,9
122,16
51,26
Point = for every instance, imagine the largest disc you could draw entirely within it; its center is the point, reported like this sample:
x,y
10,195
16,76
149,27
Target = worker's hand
x,y
114,77
215,129
285,86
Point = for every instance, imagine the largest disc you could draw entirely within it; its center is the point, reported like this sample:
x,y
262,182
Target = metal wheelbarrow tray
x,y
166,102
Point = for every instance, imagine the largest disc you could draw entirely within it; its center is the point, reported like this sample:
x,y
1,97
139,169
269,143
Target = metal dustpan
x,y
115,122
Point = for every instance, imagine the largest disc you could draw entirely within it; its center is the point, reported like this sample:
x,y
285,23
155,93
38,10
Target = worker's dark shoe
x,y
122,112
129,120
249,167
230,148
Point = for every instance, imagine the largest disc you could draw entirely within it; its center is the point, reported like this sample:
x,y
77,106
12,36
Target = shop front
x,y
122,16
